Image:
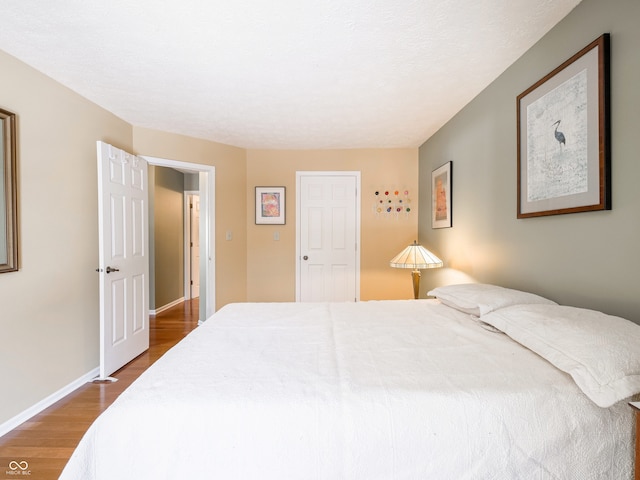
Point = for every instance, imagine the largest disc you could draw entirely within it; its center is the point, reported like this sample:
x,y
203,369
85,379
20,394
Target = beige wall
x,y
230,165
381,237
584,259
49,308
49,315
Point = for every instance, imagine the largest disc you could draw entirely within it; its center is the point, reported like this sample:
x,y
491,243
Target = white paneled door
x,y
194,250
328,237
123,253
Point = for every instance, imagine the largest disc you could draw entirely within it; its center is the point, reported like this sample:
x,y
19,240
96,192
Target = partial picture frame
x,y
564,131
441,205
270,205
8,193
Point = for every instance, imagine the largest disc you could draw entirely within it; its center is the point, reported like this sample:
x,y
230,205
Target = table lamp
x,y
416,257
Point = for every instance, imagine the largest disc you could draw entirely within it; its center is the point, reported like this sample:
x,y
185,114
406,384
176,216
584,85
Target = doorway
x,y
206,230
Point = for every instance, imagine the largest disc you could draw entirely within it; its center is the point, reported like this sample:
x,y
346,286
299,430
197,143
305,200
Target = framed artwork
x,y
564,151
8,193
270,205
441,196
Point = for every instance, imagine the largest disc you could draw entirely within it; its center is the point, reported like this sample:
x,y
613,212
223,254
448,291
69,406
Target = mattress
x,y
384,390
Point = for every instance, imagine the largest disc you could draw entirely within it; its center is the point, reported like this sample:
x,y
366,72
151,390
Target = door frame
x,y
328,173
207,190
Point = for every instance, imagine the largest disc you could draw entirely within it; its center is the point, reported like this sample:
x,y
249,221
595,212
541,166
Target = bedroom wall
x,y
231,255
49,308
381,237
584,259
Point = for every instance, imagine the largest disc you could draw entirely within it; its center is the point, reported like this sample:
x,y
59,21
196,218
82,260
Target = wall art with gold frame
x,y
8,194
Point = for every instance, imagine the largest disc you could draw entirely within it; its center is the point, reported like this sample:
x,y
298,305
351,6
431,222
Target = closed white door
x,y
328,237
123,253
194,222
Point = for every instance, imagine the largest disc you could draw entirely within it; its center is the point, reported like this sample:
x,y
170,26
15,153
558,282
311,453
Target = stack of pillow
x,y
601,352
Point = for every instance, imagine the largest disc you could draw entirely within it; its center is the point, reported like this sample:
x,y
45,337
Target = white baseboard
x,y
19,419
166,307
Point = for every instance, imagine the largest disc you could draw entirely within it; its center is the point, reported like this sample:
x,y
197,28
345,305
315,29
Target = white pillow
x,y
479,299
601,352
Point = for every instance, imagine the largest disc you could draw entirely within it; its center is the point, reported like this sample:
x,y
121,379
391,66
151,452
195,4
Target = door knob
x,y
305,258
109,270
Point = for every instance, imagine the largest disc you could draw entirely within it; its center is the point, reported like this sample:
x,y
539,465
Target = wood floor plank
x,y
47,440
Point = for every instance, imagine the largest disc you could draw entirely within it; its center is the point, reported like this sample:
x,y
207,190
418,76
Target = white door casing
x,y
328,236
123,224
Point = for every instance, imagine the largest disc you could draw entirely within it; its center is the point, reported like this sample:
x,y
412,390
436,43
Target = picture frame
x,y
564,130
270,205
8,193
441,205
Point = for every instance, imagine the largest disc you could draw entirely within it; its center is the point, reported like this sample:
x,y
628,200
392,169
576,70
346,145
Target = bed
x,y
416,389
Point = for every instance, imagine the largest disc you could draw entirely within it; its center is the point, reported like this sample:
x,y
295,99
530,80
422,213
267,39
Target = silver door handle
x,y
109,270
305,258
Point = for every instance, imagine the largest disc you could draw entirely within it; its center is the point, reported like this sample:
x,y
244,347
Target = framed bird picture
x,y
564,151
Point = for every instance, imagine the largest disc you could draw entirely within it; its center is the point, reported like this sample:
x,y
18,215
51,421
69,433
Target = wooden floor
x,y
47,440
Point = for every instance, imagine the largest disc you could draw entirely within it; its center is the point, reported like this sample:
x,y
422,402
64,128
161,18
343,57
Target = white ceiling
x,y
285,74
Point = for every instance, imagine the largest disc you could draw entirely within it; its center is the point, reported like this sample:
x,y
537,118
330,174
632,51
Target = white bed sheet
x,y
384,390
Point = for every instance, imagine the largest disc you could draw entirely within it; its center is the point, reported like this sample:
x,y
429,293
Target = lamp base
x,y
416,283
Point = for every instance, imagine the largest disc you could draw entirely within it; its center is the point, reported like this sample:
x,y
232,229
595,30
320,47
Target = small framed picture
x,y
441,196
270,205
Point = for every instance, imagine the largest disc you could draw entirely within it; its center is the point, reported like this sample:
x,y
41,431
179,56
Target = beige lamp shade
x,y
415,257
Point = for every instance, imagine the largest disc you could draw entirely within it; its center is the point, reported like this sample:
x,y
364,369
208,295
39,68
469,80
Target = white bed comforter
x,y
384,390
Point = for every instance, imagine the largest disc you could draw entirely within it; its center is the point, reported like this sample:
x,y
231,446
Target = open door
x,y
123,218
194,246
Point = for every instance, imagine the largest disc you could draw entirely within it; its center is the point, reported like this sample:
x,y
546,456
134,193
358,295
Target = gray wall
x,y
168,186
167,268
191,181
591,259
